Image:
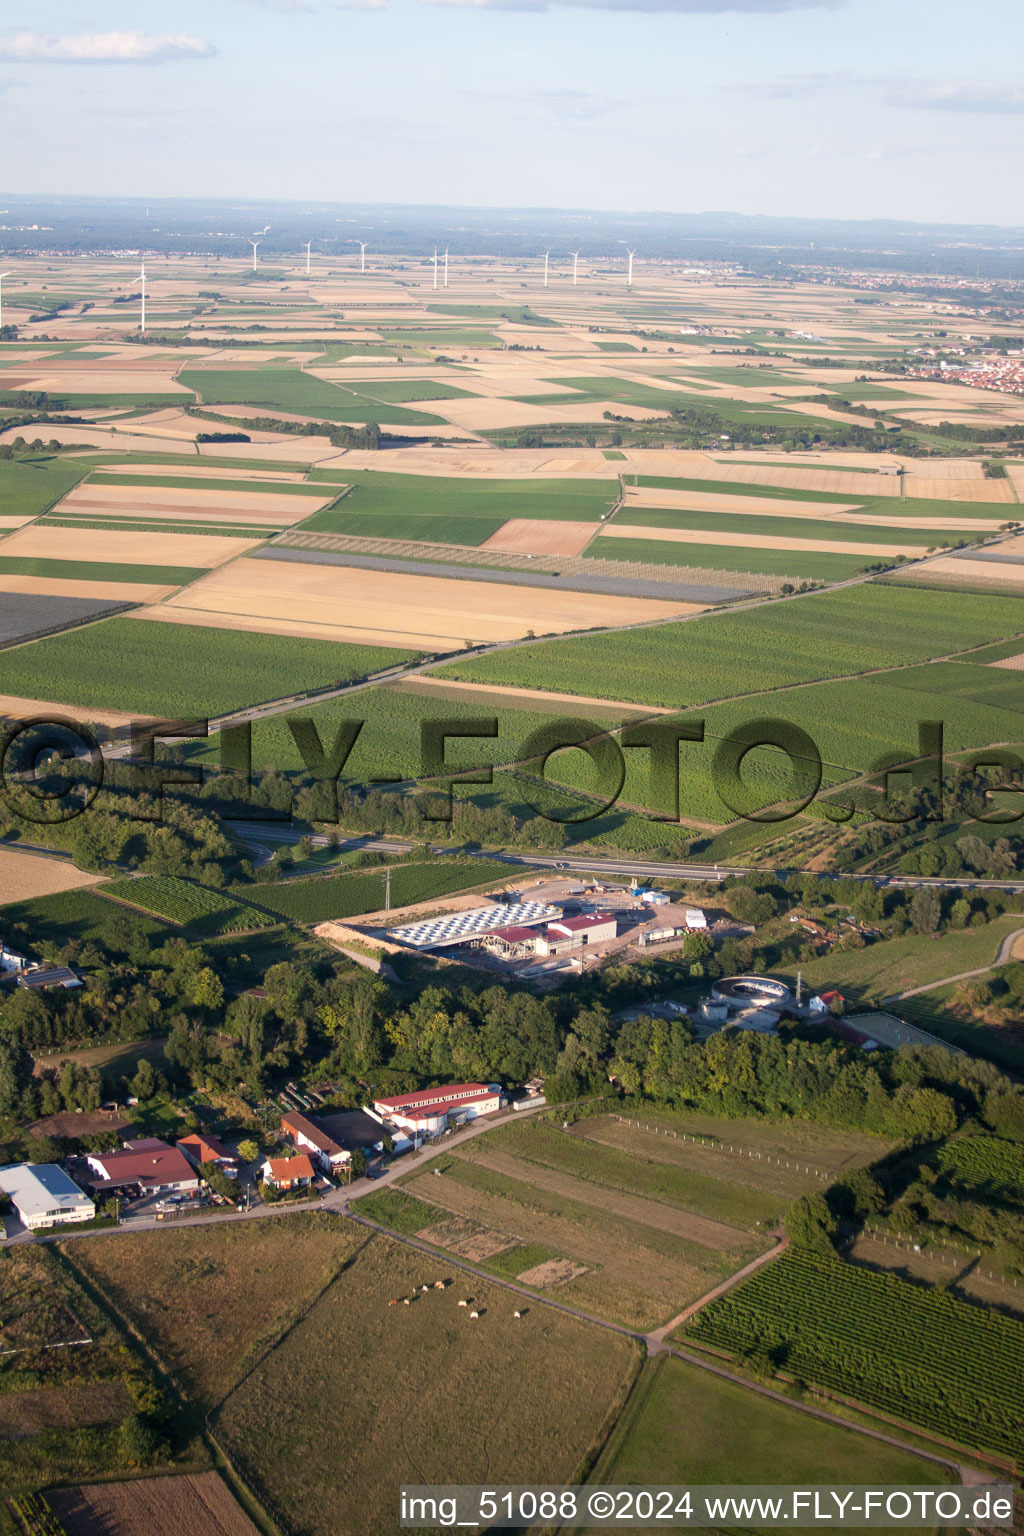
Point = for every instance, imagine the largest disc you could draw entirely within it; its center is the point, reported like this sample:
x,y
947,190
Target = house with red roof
x,y
288,1172
200,1149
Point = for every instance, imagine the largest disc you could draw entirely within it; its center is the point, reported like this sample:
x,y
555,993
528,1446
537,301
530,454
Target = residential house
x,y
288,1172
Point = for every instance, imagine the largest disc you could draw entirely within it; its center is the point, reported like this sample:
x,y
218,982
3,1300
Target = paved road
x,y
1005,954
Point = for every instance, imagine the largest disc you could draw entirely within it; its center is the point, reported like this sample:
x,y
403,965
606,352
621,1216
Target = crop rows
x,y
193,906
319,899
922,1355
182,671
992,1168
824,635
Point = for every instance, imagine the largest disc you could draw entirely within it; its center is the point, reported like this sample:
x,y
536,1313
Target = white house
x,y
44,1196
320,1147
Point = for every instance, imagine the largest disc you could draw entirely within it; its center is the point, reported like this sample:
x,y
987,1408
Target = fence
x,y
956,1260
721,1146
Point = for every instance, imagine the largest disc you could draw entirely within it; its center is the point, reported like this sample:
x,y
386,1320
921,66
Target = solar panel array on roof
x,y
458,927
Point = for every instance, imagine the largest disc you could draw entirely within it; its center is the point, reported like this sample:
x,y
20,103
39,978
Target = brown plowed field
x,y
196,1505
531,536
26,875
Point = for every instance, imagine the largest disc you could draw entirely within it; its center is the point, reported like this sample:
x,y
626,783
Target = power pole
x,y
387,889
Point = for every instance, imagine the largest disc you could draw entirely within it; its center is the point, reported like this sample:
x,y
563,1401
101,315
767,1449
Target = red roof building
x,y
201,1149
150,1163
288,1172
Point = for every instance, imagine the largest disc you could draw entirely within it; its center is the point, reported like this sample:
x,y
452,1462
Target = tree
x,y
206,990
810,1223
143,1084
357,1163
248,1151
925,910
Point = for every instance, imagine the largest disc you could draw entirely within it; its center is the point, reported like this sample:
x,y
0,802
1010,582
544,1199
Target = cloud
x,y
687,7
896,91
102,48
956,95
572,105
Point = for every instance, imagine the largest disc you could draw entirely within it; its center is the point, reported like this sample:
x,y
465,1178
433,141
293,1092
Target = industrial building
x,y
432,1110
456,928
44,1196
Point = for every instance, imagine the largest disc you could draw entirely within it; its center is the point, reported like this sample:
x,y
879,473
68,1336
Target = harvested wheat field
x,y
14,522
59,586
23,709
928,489
205,472
721,501
26,875
104,544
756,541
500,693
528,536
136,500
261,520
99,381
193,1505
420,612
1010,663
955,572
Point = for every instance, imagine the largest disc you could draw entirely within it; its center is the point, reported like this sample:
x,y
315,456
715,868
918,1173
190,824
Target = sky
x,y
904,109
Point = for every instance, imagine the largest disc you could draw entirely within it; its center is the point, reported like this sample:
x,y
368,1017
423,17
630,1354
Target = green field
x,y
322,899
181,671
919,1354
453,339
685,1426
98,570
801,565
72,915
716,657
29,487
187,904
139,525
289,389
882,970
449,511
718,1198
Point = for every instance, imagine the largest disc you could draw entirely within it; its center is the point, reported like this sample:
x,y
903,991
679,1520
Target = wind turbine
x,y
435,266
629,274
309,247
446,266
546,255
2,276
575,259
362,244
254,244
142,279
